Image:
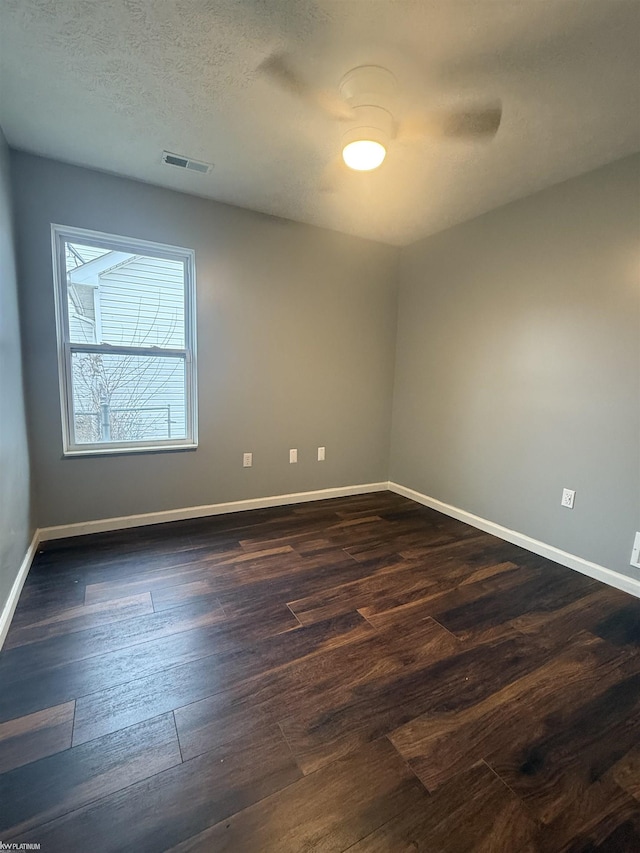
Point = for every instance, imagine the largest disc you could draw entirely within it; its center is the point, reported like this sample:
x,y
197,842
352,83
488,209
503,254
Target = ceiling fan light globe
x,y
364,155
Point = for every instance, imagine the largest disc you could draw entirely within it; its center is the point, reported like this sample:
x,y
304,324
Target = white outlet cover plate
x,y
293,455
635,554
321,454
247,460
568,497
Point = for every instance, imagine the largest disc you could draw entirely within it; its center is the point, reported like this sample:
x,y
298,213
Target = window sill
x,y
122,451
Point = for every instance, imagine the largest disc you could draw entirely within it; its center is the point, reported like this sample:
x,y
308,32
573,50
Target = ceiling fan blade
x,y
473,124
279,70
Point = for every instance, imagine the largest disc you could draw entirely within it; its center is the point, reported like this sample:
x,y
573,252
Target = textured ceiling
x,y
111,83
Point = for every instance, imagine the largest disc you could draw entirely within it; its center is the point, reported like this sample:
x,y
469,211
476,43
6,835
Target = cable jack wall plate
x,y
635,554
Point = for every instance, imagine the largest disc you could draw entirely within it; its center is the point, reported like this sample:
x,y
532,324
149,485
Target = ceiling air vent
x,y
186,163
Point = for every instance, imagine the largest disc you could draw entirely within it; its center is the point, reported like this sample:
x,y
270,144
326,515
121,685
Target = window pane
x,y
128,397
124,299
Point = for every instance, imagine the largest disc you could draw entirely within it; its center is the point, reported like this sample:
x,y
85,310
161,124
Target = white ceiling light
x,y
369,92
363,155
365,144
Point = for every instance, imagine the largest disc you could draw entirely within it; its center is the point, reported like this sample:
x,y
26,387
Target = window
x,y
125,313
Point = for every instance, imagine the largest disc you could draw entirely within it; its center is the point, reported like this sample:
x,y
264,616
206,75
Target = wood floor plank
x,y
45,789
557,626
312,575
226,563
258,575
399,583
37,659
307,539
170,688
441,596
128,559
539,593
576,747
375,555
267,566
35,689
454,682
439,745
81,617
333,677
582,614
622,626
103,591
171,806
417,544
329,810
35,736
626,772
604,818
37,604
184,593
475,811
149,560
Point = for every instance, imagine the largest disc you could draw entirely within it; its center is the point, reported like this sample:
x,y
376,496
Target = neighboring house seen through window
x,y
125,314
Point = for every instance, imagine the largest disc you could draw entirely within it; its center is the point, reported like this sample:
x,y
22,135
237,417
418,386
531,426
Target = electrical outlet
x,y
293,456
568,497
247,460
635,554
321,451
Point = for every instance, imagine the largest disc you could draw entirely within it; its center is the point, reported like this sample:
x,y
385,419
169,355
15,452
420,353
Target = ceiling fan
x,y
365,103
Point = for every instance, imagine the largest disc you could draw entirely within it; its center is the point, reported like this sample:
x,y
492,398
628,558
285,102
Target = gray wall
x,y
296,337
16,528
518,366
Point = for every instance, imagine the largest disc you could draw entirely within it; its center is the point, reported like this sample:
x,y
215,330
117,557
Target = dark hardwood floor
x,y
357,674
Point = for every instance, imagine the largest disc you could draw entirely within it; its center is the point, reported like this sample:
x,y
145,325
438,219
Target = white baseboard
x,y
585,567
63,531
12,602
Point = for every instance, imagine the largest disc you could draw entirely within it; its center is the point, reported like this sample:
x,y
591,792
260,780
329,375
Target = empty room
x,y
320,426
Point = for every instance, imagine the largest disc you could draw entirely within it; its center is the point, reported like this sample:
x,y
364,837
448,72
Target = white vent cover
x,y
183,162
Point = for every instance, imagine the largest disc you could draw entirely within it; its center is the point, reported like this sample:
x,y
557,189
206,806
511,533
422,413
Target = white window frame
x,y
60,234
